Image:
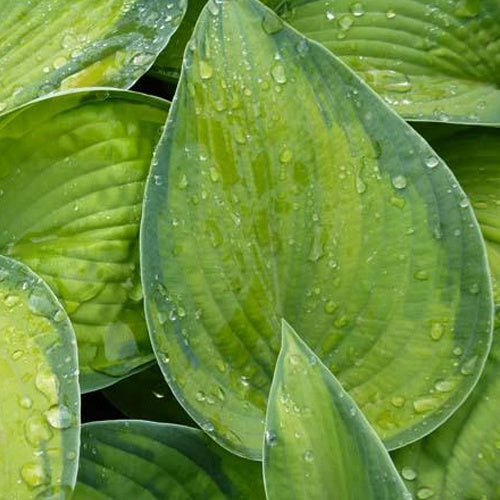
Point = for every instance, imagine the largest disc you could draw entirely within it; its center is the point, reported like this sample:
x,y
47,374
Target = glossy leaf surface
x,y
461,460
46,45
317,442
146,460
72,173
431,60
40,407
331,212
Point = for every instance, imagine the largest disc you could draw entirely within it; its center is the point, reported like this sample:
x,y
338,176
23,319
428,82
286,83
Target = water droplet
x,y
200,396
158,395
469,366
357,9
444,385
458,351
431,162
360,184
36,430
388,80
330,15
59,62
308,456
183,183
398,401
294,359
345,22
408,473
40,304
213,8
474,289
423,405
286,155
11,300
464,203
33,474
59,316
330,307
437,330
47,383
271,23
206,71
214,175
424,493
302,47
25,402
390,14
208,427
278,73
271,438
143,59
421,275
399,181
59,417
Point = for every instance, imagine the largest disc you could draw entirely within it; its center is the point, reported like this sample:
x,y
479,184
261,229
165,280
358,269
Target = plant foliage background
x,y
249,250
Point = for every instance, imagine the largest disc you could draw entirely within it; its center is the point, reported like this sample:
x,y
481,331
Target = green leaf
x,y
72,174
330,212
431,60
125,459
472,154
40,408
47,45
147,396
461,460
168,64
317,442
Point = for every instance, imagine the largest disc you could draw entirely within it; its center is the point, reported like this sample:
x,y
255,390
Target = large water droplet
x,y
469,366
388,80
398,401
330,15
390,14
271,438
437,330
278,73
47,383
425,404
206,70
431,162
424,493
345,22
444,385
308,456
408,473
399,181
33,474
271,23
59,417
36,430
357,9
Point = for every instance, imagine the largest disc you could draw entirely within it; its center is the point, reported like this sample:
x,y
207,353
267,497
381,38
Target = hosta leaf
x,y
47,45
332,213
147,396
461,460
40,408
147,460
168,64
317,442
431,60
473,155
72,173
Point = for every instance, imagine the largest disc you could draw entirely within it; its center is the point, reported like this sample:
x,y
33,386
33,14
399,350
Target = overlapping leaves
x,y
330,212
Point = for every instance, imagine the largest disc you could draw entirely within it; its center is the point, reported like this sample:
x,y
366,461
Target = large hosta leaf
x,y
317,442
433,60
461,460
72,173
47,45
40,406
146,460
330,212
